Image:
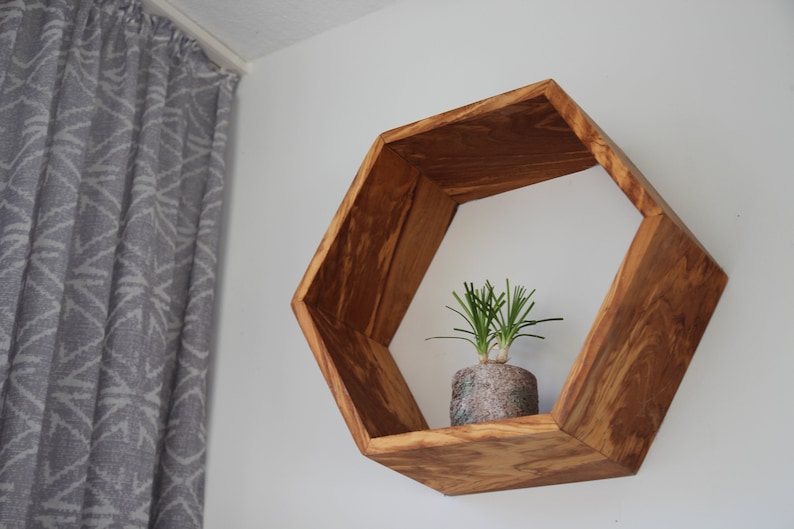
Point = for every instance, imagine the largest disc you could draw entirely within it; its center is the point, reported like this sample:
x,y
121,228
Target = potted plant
x,y
492,389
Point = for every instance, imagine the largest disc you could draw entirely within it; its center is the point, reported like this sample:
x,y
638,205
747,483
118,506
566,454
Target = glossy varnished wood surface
x,y
332,374
383,237
378,246
624,173
421,233
509,147
373,387
641,343
515,453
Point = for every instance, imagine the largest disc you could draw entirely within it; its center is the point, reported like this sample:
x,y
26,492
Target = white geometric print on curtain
x,y
112,137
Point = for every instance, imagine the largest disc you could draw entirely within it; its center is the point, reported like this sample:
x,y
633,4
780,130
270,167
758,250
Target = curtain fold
x,y
112,138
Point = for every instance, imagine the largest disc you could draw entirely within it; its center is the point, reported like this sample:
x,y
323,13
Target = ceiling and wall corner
x,y
235,32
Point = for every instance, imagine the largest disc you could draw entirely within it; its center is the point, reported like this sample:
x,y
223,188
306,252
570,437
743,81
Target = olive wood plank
x,y
466,112
430,214
378,246
355,254
364,378
332,376
506,148
641,343
515,453
620,168
614,161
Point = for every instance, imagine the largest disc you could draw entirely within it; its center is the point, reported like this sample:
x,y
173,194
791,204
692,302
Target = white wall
x,y
699,94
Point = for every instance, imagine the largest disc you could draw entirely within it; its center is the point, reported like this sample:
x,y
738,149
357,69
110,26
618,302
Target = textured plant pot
x,y
490,392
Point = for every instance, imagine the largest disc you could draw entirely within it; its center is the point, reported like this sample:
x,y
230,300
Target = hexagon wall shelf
x,y
360,283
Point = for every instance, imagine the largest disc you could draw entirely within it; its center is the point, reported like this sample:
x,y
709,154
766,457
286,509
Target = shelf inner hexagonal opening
x,y
564,237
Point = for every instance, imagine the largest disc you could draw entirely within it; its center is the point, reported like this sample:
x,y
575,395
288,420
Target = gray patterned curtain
x,y
112,135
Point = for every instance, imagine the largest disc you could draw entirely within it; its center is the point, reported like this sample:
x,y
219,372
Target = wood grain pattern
x,y
367,378
361,240
641,343
509,147
430,214
330,372
620,168
468,433
466,112
325,251
386,231
494,456
363,262
624,173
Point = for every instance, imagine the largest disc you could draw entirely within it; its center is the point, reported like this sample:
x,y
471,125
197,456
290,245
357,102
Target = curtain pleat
x,y
112,138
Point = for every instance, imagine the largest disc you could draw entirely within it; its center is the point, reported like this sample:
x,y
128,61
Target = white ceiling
x,y
254,28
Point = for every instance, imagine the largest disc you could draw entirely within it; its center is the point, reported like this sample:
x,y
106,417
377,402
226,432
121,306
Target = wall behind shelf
x,y
564,237
700,95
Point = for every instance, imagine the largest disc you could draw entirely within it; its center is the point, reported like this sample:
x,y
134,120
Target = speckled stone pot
x,y
490,392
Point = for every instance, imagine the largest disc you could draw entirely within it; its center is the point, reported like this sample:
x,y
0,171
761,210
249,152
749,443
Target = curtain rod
x,y
216,51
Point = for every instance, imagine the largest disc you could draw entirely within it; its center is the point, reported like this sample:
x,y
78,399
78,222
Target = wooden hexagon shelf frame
x,y
360,283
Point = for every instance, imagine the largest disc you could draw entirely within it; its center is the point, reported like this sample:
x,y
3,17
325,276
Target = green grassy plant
x,y
509,322
494,320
